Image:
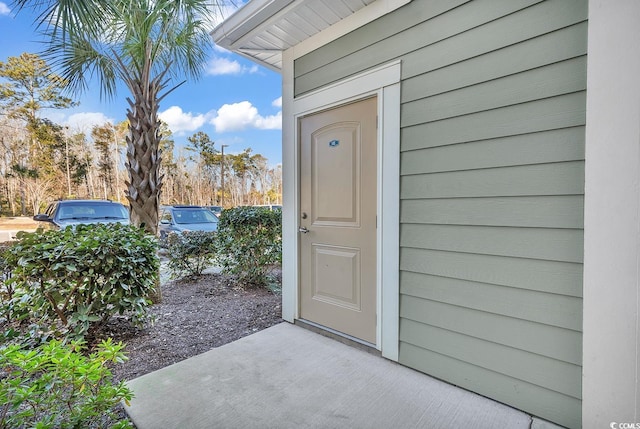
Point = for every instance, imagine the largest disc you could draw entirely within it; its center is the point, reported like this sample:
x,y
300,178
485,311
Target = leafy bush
x,y
56,386
191,252
249,243
4,267
66,281
6,289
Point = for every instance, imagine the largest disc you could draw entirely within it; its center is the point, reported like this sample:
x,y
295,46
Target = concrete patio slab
x,y
289,377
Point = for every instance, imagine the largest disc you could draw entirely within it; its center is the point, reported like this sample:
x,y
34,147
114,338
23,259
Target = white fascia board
x,y
245,20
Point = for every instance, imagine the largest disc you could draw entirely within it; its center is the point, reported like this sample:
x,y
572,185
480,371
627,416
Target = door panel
x,y
337,276
338,209
335,170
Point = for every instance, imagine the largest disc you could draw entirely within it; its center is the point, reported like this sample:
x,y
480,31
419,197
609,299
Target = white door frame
x,y
384,82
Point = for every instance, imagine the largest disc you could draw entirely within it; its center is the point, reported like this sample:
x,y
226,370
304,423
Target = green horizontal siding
x,y
530,212
429,32
542,371
564,144
562,278
549,114
528,23
376,31
560,344
550,48
541,307
556,79
440,41
493,104
563,245
565,178
539,401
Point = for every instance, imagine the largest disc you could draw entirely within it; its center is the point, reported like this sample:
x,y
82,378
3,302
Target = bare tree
x,y
39,191
103,137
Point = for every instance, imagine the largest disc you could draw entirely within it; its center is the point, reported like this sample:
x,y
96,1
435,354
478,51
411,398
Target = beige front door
x,y
338,219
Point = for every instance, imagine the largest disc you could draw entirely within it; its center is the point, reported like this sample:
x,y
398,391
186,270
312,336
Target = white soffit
x,y
262,29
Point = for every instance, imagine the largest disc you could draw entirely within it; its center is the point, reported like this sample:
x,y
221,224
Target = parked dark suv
x,y
61,214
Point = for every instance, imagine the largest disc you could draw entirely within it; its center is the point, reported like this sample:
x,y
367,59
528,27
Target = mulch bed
x,y
195,316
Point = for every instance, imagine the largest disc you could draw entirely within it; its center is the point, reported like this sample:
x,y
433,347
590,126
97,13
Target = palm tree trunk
x,y
143,187
143,155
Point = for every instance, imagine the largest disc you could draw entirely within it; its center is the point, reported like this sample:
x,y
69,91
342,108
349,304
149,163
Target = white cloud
x,y
277,102
4,9
84,122
271,122
221,66
180,121
243,115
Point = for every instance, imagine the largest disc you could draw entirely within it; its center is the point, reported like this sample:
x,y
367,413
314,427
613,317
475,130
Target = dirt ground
x,y
195,316
18,223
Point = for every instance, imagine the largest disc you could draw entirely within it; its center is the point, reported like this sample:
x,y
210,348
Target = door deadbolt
x,y
304,215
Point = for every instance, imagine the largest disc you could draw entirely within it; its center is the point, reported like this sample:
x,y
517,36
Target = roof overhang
x,y
262,29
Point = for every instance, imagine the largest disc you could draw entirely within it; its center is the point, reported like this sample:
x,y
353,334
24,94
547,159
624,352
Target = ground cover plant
x,y
55,385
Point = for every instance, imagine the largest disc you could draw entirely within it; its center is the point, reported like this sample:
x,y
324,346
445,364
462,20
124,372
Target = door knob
x,y
303,230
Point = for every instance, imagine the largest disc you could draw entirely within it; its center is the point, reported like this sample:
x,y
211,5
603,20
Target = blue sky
x,y
236,102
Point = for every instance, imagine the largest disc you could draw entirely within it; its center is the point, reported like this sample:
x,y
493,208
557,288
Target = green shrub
x,y
56,386
65,282
4,246
249,243
6,289
190,253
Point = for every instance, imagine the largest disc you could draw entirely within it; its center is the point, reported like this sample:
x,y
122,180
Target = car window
x,y
92,211
65,212
194,216
166,216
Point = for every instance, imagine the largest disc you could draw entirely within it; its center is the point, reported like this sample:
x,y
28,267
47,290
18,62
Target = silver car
x,y
186,218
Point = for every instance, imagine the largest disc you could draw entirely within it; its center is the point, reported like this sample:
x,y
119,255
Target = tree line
x,y
149,47
41,160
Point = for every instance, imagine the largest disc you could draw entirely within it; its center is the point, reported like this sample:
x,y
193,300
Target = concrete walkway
x,y
289,377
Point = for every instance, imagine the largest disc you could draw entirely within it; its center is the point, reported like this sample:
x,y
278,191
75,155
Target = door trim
x,y
383,82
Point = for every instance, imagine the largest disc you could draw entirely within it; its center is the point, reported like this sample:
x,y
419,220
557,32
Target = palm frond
x,y
79,60
130,39
66,15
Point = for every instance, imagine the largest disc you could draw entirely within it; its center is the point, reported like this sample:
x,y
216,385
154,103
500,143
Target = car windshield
x,y
92,211
194,216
